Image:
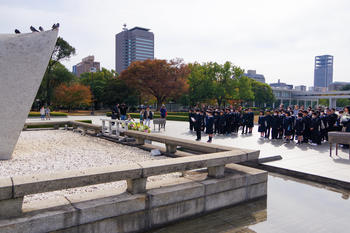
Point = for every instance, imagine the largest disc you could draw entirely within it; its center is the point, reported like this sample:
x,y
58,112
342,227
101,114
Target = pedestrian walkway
x,y
305,158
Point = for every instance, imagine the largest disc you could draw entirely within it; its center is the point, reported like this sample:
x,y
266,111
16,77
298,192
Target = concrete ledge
x,y
173,194
31,184
117,211
5,188
166,214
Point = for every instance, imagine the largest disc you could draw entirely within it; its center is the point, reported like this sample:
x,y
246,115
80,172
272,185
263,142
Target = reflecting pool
x,y
291,206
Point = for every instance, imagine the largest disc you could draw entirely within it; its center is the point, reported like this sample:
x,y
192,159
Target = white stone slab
x,y
23,61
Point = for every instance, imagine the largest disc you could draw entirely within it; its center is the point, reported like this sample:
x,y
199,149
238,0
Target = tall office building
x,y
323,73
253,75
136,44
85,65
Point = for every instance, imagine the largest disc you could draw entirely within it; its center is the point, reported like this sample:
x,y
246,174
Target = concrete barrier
x,y
160,204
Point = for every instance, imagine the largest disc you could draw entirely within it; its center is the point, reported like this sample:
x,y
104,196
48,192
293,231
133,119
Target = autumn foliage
x,y
161,79
72,96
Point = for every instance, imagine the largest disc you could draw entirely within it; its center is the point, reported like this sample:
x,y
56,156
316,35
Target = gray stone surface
x,y
136,185
38,183
11,207
23,61
5,188
173,194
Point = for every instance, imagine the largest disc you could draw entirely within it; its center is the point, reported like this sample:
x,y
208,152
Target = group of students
x,y
224,122
304,125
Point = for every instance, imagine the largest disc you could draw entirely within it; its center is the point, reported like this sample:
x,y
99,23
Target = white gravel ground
x,y
59,150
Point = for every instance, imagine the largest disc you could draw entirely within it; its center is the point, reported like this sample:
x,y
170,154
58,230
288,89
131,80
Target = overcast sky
x,y
277,38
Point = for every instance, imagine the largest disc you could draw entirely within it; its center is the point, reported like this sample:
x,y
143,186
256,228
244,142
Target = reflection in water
x,y
291,206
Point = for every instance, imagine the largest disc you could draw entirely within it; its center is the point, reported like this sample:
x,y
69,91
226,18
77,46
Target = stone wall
x,y
180,198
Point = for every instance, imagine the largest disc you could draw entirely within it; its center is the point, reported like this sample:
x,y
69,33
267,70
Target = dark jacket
x,y
148,116
198,122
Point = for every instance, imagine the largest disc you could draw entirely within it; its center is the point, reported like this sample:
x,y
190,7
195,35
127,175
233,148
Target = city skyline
x,y
278,39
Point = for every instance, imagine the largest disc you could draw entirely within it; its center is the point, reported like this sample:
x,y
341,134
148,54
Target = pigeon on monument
x,y
55,26
17,31
33,29
41,28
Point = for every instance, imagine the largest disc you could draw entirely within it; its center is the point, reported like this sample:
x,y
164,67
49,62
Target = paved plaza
x,y
304,158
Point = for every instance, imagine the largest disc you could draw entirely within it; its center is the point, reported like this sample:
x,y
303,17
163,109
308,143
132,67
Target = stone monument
x,y
23,61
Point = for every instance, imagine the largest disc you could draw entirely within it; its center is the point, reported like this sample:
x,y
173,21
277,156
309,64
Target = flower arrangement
x,y
138,127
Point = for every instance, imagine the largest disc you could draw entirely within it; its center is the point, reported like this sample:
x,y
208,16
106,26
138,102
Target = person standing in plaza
x,y
42,113
47,113
299,127
142,112
148,116
123,109
250,120
191,116
315,126
163,112
262,124
197,120
210,125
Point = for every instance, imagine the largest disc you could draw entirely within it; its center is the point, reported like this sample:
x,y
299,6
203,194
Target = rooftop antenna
x,y
124,28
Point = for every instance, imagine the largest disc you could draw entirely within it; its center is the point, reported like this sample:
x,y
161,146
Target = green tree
x,y
62,51
59,74
99,83
262,93
201,87
245,89
116,91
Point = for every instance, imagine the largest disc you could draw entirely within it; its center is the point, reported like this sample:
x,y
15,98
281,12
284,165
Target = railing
x,y
13,189
119,125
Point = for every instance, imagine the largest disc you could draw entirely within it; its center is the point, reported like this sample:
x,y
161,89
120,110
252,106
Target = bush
x,y
58,114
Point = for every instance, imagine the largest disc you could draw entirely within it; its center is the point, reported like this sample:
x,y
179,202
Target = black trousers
x,y
274,133
199,134
267,132
191,125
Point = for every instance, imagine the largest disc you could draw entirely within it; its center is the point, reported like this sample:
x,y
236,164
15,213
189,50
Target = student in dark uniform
x,y
288,126
236,120
222,122
282,115
216,122
245,118
228,121
275,124
332,120
198,118
324,127
210,125
191,115
315,126
299,127
202,113
261,123
250,120
268,121
307,121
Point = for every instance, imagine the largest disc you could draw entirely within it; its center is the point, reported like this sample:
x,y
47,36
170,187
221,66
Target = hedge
x,y
37,114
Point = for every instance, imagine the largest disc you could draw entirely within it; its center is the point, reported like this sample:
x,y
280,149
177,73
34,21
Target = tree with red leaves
x,y
159,78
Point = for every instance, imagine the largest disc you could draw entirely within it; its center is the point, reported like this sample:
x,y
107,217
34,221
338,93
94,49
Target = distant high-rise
x,y
85,65
136,44
323,73
253,75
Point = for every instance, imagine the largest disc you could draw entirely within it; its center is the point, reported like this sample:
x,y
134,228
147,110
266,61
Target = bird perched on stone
x,y
55,26
17,31
41,28
33,29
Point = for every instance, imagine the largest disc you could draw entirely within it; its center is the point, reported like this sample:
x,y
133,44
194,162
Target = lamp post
x,y
92,71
